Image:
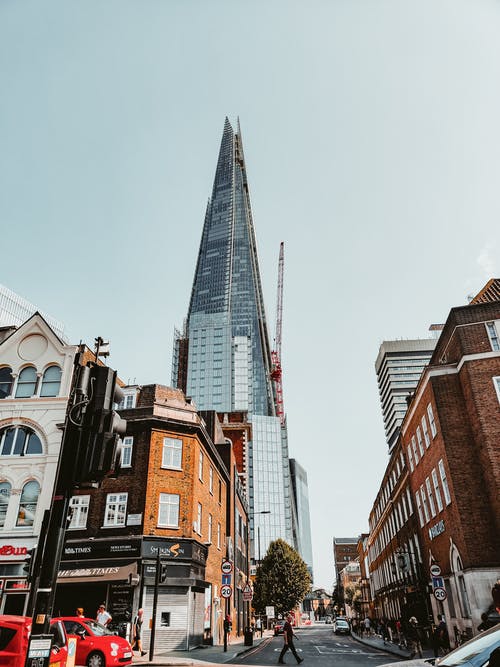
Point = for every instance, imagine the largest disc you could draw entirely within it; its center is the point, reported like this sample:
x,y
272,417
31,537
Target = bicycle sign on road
x,y
440,594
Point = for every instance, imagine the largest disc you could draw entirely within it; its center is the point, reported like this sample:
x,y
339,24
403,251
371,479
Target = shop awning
x,y
76,574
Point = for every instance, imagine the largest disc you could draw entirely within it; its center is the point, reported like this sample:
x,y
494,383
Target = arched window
x,y
5,489
26,383
5,381
19,441
28,503
51,381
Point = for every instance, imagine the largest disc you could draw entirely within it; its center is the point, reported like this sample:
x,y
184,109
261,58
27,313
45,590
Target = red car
x,y
14,637
96,645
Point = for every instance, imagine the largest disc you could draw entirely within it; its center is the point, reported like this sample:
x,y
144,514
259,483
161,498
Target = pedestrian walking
x,y
103,617
368,626
258,626
288,635
440,639
414,635
138,621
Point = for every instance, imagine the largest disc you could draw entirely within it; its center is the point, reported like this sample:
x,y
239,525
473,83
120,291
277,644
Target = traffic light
x,y
99,449
29,564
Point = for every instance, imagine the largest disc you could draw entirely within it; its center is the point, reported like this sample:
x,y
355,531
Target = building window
x,y
410,458
444,482
199,519
5,489
218,536
464,598
414,447
28,503
496,382
426,431
432,423
19,441
410,504
430,496
127,402
211,480
116,509
493,335
437,492
420,443
424,503
419,508
220,492
172,453
126,455
51,382
79,511
6,381
168,511
26,383
210,522
200,467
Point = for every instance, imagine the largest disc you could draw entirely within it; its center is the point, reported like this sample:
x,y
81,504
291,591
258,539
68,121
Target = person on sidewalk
x,y
414,637
138,621
103,617
288,635
258,625
440,639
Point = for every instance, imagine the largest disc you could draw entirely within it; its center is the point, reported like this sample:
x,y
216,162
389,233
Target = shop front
x,y
14,552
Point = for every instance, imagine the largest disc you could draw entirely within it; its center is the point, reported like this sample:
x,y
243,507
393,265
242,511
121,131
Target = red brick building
x,y
450,438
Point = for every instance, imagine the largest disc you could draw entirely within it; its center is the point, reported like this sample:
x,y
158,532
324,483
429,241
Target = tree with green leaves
x,y
282,579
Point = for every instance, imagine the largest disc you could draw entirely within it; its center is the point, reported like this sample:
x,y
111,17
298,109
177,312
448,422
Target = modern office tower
x,y
399,366
301,508
14,311
222,358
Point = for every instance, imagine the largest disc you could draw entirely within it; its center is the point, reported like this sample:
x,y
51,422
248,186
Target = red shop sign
x,y
16,585
9,550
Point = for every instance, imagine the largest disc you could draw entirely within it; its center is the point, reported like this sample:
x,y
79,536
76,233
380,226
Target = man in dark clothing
x,y
440,637
288,636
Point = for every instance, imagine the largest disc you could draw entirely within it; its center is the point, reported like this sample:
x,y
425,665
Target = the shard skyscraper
x,y
222,358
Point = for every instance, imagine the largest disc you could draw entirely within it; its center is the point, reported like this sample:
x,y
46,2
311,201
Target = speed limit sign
x,y
226,591
440,594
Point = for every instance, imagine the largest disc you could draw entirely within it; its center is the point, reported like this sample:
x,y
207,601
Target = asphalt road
x,y
318,646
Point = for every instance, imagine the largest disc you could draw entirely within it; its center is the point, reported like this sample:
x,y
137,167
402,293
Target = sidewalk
x,y
377,642
204,654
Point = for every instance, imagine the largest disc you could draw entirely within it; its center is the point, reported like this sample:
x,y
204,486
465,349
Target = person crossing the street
x,y
288,635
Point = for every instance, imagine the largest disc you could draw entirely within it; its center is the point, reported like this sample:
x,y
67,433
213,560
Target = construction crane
x,y
276,371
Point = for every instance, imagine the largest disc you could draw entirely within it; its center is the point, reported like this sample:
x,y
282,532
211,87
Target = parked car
x,y
14,637
341,626
278,627
474,653
96,645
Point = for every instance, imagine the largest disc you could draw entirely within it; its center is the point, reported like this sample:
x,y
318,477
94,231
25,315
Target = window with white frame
x,y
199,519
79,511
410,458
28,504
116,509
437,491
425,431
6,381
424,503
410,503
419,508
210,523
168,510
496,382
27,382
200,466
51,382
19,441
126,455
493,335
414,447
444,482
430,496
219,539
420,443
172,453
432,423
211,480
5,491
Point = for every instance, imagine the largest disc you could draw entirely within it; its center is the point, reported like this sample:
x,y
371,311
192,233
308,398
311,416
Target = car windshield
x,y
97,629
342,623
483,643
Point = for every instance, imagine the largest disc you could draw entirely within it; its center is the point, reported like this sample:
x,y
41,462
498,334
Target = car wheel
x,y
96,660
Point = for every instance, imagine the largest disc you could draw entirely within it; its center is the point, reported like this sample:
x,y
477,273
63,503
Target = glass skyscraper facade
x,y
222,358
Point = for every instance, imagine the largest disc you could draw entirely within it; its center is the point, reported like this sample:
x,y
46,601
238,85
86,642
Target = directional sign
x,y
226,591
437,582
435,570
440,594
226,567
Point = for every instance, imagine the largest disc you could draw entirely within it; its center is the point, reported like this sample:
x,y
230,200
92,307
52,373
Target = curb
x,y
249,649
386,648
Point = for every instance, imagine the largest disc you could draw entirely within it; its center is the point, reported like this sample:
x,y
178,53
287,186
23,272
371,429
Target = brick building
x,y
170,497
450,439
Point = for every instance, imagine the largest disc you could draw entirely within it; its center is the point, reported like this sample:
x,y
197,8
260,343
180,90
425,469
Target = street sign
x,y
437,582
440,594
247,593
226,591
270,612
435,570
226,579
226,567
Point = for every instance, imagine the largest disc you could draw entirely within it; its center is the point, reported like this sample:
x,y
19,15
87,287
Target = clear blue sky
x,y
372,139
